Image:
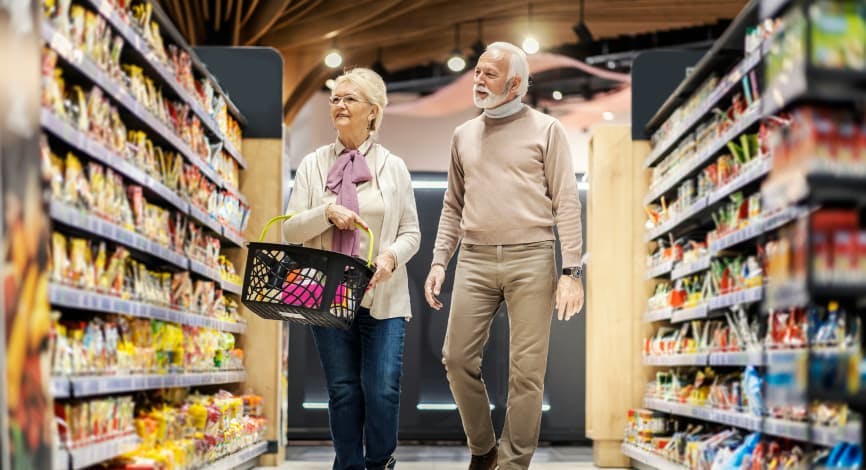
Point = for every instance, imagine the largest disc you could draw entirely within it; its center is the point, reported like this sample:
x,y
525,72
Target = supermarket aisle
x,y
441,458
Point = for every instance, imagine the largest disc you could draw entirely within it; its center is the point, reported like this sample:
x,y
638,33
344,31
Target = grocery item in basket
x,y
303,288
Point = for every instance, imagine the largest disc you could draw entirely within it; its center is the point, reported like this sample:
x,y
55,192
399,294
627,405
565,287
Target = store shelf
x,y
746,296
756,171
829,436
168,28
60,387
698,359
703,156
83,143
687,269
789,429
736,237
740,358
163,73
819,184
659,270
802,83
729,418
206,271
731,40
650,459
92,224
86,386
85,65
235,153
693,313
778,218
658,315
80,299
205,219
675,222
770,8
87,456
231,287
61,459
795,293
233,237
239,458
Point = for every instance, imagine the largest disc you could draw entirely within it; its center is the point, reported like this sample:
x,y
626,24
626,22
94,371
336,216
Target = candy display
x,y
115,345
189,431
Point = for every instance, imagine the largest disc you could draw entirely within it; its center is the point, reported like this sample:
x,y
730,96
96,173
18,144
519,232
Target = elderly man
x,y
510,181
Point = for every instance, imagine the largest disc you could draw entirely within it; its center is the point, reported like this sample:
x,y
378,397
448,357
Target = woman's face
x,y
350,112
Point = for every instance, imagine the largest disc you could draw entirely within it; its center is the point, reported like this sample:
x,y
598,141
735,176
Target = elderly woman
x,y
353,181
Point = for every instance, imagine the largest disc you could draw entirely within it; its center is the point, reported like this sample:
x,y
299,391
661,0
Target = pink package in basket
x,y
303,295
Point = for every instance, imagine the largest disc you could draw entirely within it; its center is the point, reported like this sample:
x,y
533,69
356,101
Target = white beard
x,y
493,100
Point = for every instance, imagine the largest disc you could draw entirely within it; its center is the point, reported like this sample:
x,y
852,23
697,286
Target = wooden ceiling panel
x,y
416,32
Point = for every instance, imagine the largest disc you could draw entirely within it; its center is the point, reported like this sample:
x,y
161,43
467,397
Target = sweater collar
x,y
508,109
364,148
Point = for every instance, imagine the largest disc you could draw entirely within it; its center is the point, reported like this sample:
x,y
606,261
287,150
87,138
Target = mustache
x,y
483,89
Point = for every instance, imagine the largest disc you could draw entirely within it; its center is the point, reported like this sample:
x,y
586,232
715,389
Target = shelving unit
x,y
648,459
81,68
87,456
88,386
241,458
783,201
79,299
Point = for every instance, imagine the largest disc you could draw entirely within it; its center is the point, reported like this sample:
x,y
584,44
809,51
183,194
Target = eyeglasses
x,y
348,99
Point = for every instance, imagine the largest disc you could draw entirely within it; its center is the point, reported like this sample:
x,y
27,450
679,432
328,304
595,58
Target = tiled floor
x,y
441,458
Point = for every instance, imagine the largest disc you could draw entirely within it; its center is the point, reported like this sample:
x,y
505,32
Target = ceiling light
x,y
530,45
611,64
607,116
456,63
557,95
334,59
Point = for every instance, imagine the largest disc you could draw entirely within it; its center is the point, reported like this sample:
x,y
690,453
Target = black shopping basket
x,y
304,285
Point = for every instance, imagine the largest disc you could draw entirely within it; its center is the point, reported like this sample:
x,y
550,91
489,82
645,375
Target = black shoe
x,y
484,462
392,462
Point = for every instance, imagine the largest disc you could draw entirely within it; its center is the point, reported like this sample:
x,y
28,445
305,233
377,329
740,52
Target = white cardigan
x,y
400,236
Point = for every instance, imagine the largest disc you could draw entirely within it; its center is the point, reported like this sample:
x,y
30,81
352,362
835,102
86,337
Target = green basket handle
x,y
289,216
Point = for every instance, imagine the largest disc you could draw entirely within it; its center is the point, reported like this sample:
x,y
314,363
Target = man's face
x,y
491,86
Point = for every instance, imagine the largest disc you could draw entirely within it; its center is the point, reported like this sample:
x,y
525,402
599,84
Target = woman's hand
x,y
342,218
385,264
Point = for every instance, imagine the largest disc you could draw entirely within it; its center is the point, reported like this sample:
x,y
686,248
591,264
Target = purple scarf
x,y
349,170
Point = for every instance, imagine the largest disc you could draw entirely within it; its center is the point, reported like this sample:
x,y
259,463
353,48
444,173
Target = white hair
x,y
372,88
518,65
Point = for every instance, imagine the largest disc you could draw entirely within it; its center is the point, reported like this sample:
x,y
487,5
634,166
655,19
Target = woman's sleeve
x,y
307,221
408,233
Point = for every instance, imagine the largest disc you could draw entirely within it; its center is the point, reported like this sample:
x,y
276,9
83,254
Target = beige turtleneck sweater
x,y
510,181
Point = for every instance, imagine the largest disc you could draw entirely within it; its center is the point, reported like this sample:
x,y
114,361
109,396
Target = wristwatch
x,y
574,272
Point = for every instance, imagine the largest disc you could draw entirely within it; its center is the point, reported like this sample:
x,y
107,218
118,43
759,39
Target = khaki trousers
x,y
524,277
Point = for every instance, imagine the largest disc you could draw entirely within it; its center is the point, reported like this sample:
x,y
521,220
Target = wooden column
x,y
616,289
261,182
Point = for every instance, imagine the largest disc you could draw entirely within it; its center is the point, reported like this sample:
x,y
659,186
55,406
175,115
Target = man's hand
x,y
385,264
569,297
342,218
433,285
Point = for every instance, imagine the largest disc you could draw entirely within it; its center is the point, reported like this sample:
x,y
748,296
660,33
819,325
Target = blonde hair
x,y
372,89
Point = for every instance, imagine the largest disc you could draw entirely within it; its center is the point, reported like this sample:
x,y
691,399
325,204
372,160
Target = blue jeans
x,y
363,366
